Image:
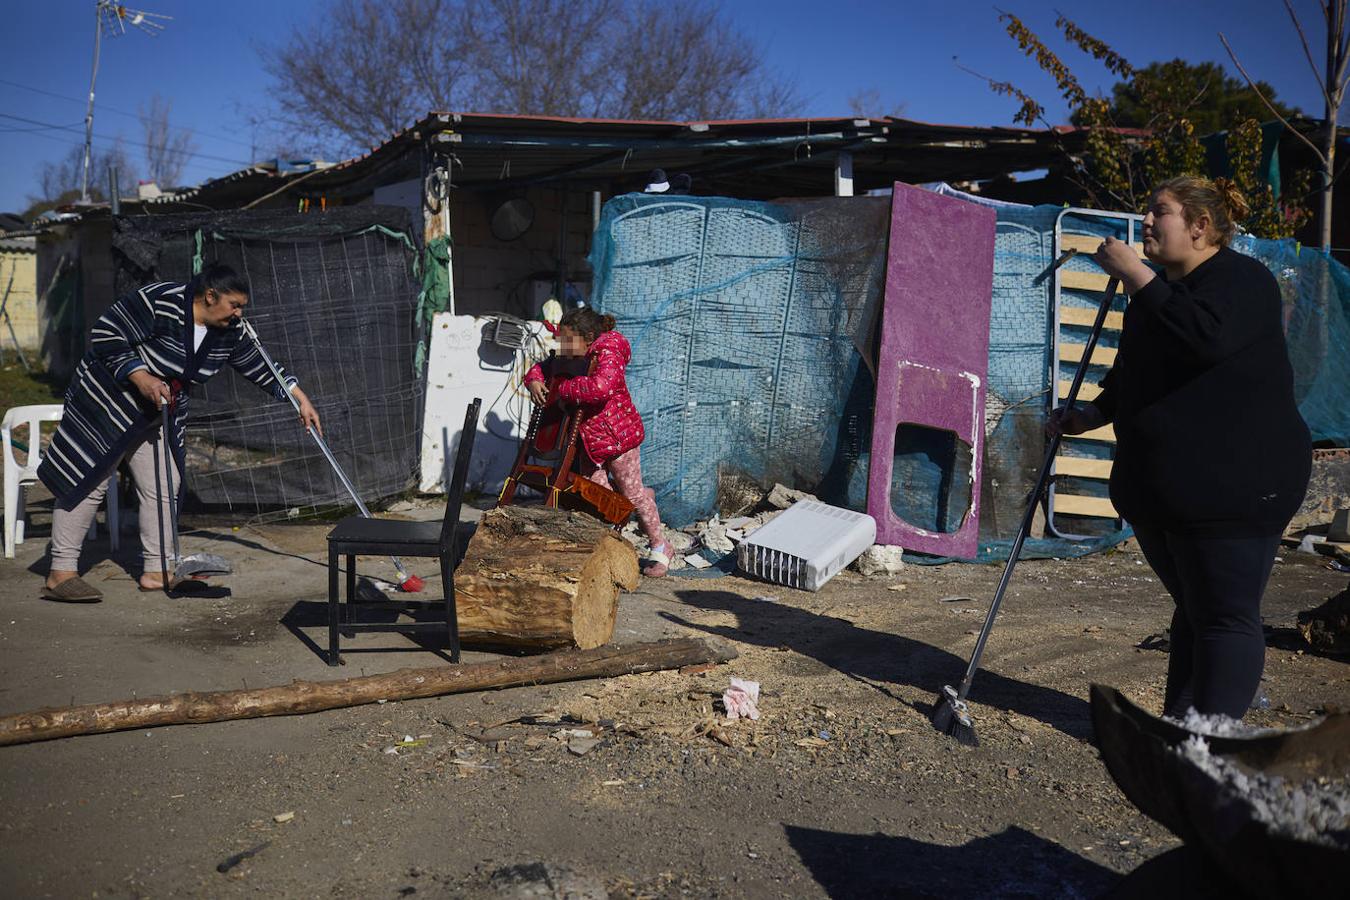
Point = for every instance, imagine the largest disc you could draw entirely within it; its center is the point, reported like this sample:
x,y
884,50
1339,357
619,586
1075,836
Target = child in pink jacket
x,y
612,429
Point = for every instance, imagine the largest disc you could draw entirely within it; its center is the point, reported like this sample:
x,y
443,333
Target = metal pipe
x,y
272,367
89,113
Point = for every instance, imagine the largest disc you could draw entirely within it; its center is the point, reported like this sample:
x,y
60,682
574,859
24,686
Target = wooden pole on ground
x,y
406,684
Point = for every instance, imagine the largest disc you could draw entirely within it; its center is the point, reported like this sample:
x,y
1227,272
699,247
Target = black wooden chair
x,y
389,537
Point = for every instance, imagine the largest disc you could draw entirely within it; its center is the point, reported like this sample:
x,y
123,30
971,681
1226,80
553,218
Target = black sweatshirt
x,y
1209,439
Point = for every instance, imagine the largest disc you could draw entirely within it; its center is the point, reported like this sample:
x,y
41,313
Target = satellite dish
x,y
512,218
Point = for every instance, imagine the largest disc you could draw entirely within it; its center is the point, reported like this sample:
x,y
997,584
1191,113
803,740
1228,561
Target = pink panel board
x,y
934,350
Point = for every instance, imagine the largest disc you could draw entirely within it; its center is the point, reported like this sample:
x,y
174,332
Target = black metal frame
x,y
388,537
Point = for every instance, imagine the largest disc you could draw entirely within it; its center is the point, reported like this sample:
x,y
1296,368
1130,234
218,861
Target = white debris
x,y
881,559
1310,811
1219,726
714,537
697,561
679,541
783,496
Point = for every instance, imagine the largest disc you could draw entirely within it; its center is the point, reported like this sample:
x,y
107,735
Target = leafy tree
x,y
1211,99
1118,166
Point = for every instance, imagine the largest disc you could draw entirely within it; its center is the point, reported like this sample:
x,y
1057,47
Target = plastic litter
x,y
741,699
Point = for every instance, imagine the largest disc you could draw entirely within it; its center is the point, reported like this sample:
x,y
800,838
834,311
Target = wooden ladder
x,y
1070,352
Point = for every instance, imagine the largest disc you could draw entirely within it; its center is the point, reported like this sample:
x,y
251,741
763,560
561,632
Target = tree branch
x,y
1303,39
1275,112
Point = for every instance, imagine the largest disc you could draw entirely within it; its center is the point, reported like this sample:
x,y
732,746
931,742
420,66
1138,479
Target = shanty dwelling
x,y
513,210
508,207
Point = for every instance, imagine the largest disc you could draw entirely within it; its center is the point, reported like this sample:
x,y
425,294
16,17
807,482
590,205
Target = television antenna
x,y
116,19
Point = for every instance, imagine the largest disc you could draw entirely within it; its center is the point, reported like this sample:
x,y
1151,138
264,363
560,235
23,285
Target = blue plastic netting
x,y
750,322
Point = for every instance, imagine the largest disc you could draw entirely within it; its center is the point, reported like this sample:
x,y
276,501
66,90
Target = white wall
x,y
460,367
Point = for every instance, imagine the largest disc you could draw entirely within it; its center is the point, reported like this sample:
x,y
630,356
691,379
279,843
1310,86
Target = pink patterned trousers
x,y
626,471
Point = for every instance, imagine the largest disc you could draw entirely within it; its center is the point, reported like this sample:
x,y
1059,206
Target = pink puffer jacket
x,y
612,426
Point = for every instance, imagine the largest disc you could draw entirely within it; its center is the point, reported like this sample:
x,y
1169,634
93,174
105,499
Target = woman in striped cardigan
x,y
143,352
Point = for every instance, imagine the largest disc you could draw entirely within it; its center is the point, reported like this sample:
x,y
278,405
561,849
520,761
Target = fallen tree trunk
x,y
539,579
301,697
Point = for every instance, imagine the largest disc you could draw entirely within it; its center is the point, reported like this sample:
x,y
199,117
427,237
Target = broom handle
x,y
168,478
1041,482
318,438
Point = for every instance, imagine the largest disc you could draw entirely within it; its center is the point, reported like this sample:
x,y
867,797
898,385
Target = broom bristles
x,y
951,717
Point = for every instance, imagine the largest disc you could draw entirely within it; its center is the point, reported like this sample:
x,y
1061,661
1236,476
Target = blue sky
x,y
206,63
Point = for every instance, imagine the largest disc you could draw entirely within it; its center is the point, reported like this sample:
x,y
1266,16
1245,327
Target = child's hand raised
x,y
538,392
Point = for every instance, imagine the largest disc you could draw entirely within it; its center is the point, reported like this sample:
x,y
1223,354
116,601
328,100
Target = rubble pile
x,y
743,509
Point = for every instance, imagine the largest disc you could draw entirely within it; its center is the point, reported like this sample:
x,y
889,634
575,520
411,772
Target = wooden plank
x,y
1075,280
1087,243
1075,505
1081,467
1101,356
1087,317
1086,391
1105,433
301,697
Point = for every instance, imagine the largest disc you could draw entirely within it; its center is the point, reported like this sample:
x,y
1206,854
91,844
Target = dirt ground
x,y
842,788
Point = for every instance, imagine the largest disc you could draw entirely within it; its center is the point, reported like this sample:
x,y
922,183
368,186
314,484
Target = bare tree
x,y
537,56
868,102
1332,80
683,61
59,179
167,149
370,68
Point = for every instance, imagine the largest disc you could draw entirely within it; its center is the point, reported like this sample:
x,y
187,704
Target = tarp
x,y
751,326
334,297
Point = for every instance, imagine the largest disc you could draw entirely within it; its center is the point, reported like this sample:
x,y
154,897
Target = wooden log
x,y
541,579
301,697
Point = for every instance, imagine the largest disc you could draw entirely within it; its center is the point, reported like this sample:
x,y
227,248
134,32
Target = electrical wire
x,y
54,127
120,112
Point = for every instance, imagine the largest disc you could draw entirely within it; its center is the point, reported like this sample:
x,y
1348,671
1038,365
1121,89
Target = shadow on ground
x,y
878,658
1012,863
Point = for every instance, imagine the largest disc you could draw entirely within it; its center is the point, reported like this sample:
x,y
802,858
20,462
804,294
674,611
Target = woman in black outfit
x,y
1212,456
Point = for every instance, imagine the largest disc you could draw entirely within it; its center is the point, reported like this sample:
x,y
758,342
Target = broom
x,y
407,581
951,716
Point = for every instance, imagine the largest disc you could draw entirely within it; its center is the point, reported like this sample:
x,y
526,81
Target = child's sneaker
x,y
658,561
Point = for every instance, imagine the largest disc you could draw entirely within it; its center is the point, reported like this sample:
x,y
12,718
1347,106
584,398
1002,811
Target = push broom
x,y
407,581
950,713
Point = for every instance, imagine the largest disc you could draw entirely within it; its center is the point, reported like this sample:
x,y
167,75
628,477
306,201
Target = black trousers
x,y
1218,647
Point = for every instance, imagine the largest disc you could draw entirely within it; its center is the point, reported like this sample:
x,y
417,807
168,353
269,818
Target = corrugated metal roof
x,y
13,242
742,157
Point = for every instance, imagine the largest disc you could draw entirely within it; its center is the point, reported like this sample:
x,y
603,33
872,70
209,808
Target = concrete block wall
x,y
22,305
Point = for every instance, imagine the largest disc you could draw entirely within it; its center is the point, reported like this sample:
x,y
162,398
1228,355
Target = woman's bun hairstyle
x,y
1238,207
1220,200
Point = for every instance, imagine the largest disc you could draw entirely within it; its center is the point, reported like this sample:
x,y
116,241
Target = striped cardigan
x,y
105,414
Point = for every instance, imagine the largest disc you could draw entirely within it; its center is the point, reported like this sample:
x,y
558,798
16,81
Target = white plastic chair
x,y
18,477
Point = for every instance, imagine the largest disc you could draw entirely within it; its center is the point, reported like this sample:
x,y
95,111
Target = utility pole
x,y
115,17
